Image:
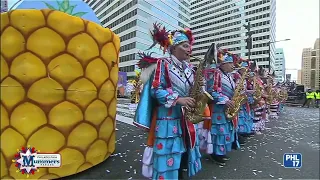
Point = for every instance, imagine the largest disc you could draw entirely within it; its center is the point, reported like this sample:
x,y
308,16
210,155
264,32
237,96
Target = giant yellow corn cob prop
x,y
58,90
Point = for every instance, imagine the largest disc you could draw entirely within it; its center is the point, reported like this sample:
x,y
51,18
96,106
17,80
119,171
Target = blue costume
x,y
245,120
174,140
222,132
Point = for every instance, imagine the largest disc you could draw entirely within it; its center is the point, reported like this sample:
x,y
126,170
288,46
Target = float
x,y
59,74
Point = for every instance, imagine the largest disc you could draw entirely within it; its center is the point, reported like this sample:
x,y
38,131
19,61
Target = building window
x,y
313,63
313,79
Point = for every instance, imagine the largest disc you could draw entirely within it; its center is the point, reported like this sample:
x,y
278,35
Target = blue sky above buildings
x,y
79,6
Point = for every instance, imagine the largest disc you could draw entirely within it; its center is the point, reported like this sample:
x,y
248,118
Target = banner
x,y
122,79
4,6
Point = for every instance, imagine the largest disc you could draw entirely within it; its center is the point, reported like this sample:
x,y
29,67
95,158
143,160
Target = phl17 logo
x,y
292,160
29,160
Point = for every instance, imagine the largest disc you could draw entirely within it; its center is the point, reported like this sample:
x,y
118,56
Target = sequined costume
x,y
221,132
172,140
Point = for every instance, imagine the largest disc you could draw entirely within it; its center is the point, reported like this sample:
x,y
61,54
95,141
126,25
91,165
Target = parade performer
x,y
222,134
245,121
273,103
253,97
259,107
172,140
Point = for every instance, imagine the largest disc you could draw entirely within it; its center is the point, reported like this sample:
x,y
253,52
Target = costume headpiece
x,y
166,38
224,56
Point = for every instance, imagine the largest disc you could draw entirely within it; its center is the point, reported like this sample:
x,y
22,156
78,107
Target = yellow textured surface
x,y
4,171
73,159
27,117
84,167
4,68
4,21
83,47
28,68
82,140
4,118
39,91
12,92
58,81
13,45
107,91
63,27
65,68
95,67
10,140
45,43
96,112
97,152
82,92
65,115
47,139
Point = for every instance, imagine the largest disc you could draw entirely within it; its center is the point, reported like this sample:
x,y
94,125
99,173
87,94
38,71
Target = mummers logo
x,y
29,160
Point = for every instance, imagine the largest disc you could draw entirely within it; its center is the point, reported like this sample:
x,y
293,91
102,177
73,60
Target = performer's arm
x,y
161,87
217,94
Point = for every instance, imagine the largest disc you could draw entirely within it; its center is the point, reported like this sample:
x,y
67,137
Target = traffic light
x,y
249,42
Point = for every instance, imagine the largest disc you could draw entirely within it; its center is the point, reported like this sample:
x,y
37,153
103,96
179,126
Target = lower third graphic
x,y
29,160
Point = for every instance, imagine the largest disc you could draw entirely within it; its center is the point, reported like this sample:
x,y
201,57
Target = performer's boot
x,y
225,158
218,159
180,175
241,140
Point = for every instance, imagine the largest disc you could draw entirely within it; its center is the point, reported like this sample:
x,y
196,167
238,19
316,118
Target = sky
x,y
297,20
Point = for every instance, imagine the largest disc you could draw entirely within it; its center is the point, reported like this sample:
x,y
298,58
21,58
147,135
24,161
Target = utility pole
x,y
249,39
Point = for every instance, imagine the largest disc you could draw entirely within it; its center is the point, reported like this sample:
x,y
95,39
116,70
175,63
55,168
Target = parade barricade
x,y
58,88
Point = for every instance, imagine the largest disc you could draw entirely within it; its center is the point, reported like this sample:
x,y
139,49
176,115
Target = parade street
x,y
296,130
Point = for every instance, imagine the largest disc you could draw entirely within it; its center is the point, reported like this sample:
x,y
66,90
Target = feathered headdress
x,y
224,56
166,38
146,60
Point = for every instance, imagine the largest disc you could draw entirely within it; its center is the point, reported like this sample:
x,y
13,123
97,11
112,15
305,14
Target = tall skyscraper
x,y
311,66
221,21
280,65
132,20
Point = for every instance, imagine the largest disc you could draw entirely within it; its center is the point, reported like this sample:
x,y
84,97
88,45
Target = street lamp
x,y
269,44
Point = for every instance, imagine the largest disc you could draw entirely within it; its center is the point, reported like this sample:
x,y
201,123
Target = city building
x,y
280,65
133,19
299,77
222,22
311,66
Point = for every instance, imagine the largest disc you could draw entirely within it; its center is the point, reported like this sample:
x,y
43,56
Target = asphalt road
x,y
297,130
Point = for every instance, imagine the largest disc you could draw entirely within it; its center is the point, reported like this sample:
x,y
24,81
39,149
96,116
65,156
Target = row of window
x,y
217,27
116,14
256,4
206,7
258,17
217,22
261,38
128,57
258,10
123,9
211,12
120,20
260,45
128,47
127,68
218,39
125,27
214,17
219,33
258,52
258,31
128,36
263,23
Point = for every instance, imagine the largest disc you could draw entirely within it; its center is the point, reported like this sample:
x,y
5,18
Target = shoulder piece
x,y
146,60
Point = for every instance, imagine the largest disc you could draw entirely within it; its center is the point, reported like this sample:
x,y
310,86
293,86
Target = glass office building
x,y
132,21
221,21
